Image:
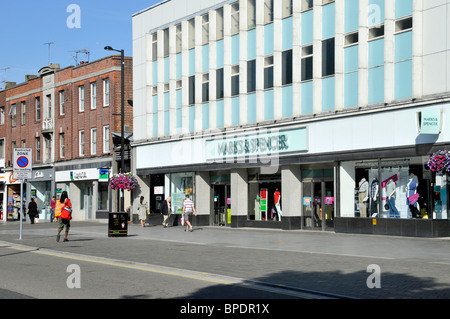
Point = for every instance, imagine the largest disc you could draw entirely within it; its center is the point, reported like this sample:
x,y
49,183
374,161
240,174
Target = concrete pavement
x,y
312,260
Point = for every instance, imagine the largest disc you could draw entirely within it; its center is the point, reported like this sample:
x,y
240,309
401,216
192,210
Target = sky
x,y
73,25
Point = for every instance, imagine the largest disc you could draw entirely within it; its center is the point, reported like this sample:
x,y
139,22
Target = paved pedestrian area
x,y
342,264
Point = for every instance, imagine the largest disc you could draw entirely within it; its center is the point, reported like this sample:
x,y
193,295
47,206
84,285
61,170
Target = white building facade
x,y
295,114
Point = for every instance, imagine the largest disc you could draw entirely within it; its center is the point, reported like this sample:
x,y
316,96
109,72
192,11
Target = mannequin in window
x,y
390,191
411,190
374,189
277,198
363,197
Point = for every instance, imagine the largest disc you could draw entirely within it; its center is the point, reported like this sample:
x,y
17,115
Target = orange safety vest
x,y
58,208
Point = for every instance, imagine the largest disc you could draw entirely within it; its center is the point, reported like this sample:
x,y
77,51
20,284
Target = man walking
x,y
165,210
188,208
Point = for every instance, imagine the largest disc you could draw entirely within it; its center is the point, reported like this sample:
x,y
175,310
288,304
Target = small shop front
x,y
41,188
87,189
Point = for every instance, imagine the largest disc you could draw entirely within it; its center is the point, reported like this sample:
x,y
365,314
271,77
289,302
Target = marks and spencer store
x,y
358,172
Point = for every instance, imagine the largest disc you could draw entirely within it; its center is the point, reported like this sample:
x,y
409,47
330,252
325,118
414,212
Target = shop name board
x,y
430,121
253,145
264,142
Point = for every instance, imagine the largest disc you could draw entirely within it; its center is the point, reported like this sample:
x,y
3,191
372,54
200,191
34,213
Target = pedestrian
x,y
142,211
32,210
63,212
165,210
188,209
52,208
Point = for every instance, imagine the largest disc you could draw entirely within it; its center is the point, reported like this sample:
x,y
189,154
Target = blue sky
x,y
27,24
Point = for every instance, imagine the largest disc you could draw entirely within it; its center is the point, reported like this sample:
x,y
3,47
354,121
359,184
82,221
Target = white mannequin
x,y
363,196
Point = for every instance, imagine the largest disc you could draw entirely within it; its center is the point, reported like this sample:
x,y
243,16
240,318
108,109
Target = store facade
x,y
312,174
293,131
88,190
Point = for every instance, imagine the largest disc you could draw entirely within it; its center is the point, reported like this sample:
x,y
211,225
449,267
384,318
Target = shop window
x,y
178,185
265,197
102,202
391,189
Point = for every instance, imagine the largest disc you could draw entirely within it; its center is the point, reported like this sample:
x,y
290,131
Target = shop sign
x,y
430,121
263,142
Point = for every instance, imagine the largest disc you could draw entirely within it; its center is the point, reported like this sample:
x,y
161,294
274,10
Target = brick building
x,y
68,117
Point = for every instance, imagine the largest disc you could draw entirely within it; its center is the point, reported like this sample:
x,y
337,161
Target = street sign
x,y
22,163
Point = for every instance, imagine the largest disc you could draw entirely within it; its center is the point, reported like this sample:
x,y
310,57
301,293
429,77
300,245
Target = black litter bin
x,y
118,224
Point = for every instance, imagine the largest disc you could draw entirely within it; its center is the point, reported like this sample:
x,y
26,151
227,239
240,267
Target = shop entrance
x,y
318,205
222,204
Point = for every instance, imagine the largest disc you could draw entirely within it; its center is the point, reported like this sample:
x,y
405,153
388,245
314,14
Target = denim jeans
x,y
393,212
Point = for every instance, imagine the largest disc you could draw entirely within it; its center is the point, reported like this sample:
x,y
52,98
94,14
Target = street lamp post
x,y
122,123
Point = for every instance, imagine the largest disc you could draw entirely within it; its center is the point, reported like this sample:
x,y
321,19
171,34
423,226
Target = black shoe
x,y
58,237
65,239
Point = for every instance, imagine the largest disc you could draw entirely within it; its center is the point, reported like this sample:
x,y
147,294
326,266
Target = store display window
x,y
396,188
265,197
180,185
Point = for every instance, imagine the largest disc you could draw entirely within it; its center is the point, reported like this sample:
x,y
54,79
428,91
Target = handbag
x,y
386,206
66,213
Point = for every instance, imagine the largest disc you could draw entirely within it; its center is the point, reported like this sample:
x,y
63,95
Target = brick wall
x,y
72,120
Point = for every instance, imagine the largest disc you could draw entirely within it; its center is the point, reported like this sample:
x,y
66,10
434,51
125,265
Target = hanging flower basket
x,y
125,181
439,162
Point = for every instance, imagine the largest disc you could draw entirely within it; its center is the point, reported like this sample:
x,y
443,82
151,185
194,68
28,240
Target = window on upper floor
x,y
235,18
328,57
205,87
154,46
307,63
307,4
192,90
106,139
179,38
93,95
61,145
81,98
286,60
62,108
268,11
287,8
251,76
166,42
2,115
403,24
235,80
105,92
268,72
219,24
81,143
23,110
219,84
191,26
251,14
205,29
37,105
